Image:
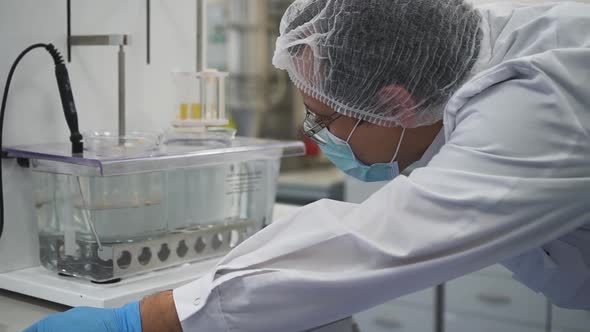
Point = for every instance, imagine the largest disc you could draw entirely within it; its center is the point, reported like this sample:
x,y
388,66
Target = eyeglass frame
x,y
311,127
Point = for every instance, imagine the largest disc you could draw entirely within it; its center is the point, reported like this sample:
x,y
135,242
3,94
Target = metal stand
x,y
439,308
549,318
201,35
109,40
122,103
148,31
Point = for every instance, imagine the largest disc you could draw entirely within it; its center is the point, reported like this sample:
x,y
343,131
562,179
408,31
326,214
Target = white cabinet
x,y
565,320
466,323
396,317
496,299
488,300
341,326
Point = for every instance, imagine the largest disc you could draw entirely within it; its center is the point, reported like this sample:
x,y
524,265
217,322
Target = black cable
x,y
69,29
67,99
2,109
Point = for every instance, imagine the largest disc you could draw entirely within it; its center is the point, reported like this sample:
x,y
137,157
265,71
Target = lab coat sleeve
x,y
501,185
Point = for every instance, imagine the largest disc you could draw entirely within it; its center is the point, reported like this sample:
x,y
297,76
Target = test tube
x,y
211,96
195,98
196,111
188,96
200,98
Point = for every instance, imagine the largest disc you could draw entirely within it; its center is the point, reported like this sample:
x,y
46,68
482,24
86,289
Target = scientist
x,y
493,103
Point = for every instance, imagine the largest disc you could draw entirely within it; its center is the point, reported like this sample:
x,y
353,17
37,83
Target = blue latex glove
x,y
124,319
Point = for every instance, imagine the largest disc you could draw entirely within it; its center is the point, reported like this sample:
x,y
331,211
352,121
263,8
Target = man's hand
x,y
124,319
157,314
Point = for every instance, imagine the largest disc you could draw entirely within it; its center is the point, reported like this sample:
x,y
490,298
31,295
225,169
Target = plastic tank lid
x,y
111,158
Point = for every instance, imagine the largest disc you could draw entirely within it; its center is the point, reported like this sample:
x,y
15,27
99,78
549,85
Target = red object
x,y
311,147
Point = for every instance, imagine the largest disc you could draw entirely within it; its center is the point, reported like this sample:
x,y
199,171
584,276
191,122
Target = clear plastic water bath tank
x,y
144,202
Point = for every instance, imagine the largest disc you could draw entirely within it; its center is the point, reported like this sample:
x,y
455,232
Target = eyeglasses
x,y
313,124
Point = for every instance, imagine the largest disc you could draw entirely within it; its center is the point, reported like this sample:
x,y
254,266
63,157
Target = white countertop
x,y
19,311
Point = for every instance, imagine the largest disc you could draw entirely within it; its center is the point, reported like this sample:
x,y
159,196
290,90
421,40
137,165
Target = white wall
x,y
34,103
34,114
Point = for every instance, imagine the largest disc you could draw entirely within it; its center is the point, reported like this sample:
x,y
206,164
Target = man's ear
x,y
400,100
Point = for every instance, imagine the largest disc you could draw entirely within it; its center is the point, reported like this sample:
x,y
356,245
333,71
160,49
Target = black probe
x,y
67,100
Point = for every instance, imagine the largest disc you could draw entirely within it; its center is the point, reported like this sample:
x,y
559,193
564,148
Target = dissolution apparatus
x,y
145,201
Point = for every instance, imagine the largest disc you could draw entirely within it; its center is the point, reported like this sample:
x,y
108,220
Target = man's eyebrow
x,y
309,108
319,115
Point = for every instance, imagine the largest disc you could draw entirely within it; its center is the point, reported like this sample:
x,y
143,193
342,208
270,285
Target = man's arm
x,y
158,313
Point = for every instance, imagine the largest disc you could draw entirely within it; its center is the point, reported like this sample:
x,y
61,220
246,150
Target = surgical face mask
x,y
340,154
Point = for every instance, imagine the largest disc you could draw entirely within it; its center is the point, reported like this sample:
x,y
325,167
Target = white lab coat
x,y
511,183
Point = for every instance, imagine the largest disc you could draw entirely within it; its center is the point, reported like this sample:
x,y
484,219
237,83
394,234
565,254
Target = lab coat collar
x,y
432,150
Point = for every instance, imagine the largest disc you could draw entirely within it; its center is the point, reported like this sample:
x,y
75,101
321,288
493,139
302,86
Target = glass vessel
x,y
199,99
